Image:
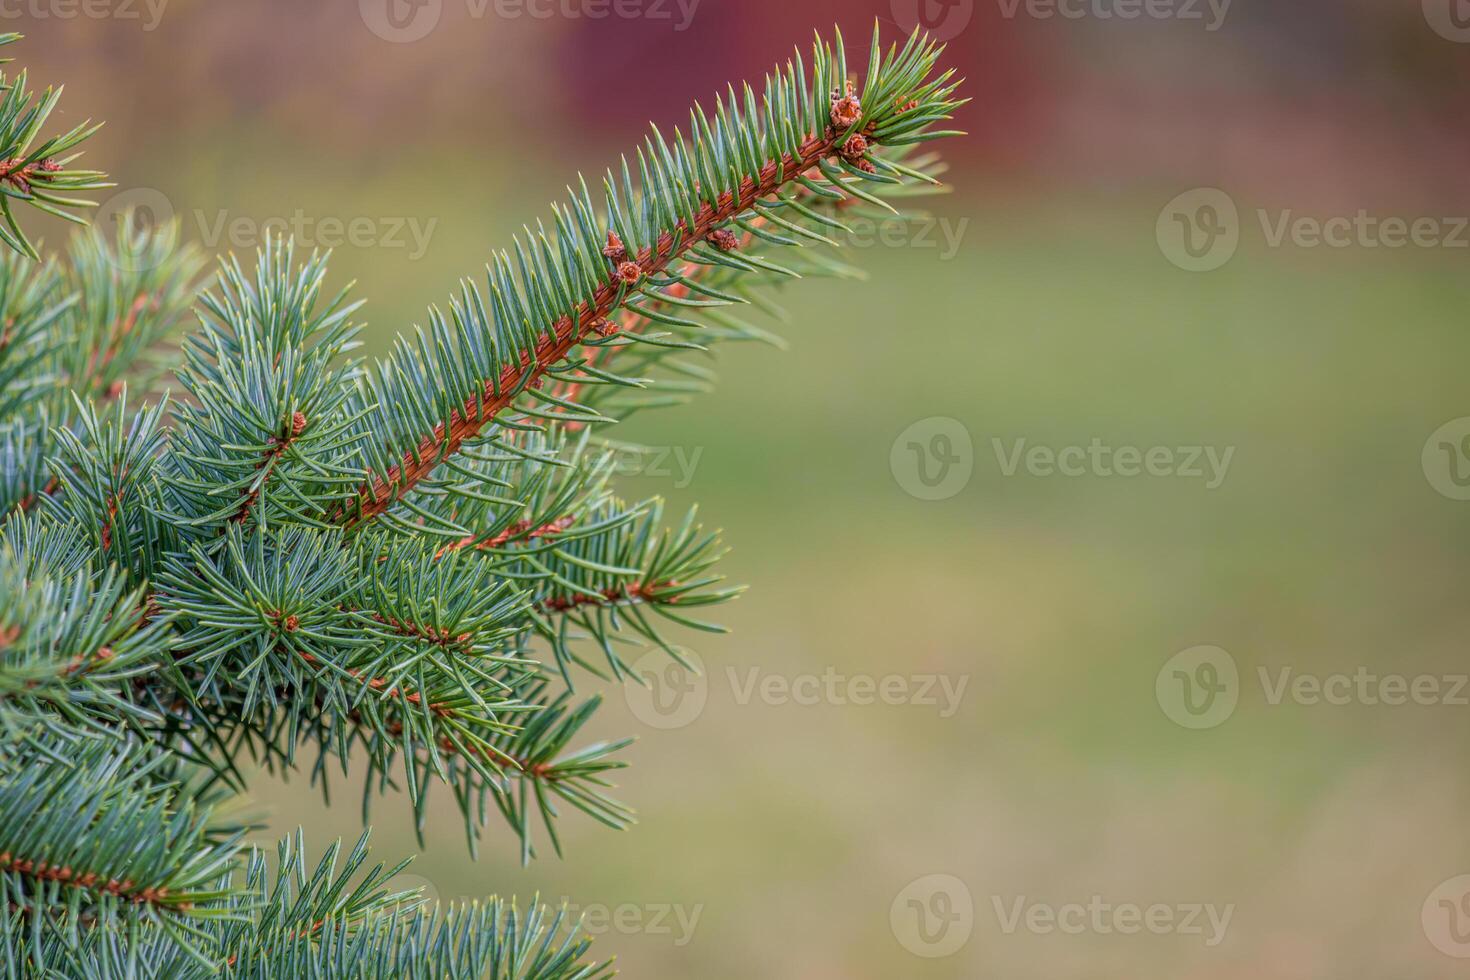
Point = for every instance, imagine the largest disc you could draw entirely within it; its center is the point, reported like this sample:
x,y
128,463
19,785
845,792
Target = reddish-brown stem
x,y
89,880
32,499
79,664
628,321
378,683
279,445
103,357
20,175
517,530
637,591
498,393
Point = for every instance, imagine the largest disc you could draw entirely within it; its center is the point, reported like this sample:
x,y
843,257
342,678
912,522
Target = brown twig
x,y
19,175
464,423
90,880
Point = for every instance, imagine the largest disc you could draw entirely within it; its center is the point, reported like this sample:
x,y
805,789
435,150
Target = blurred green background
x,y
783,839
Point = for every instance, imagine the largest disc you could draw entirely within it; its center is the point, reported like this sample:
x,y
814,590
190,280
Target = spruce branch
x,y
134,290
385,565
96,832
440,394
38,174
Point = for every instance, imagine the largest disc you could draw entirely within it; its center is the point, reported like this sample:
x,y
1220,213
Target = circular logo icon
x,y
1446,917
137,210
667,694
1199,230
1198,687
1446,459
942,20
401,21
933,458
1450,19
933,916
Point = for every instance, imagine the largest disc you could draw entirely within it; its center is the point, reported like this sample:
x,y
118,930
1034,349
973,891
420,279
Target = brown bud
x,y
855,147
603,327
291,624
846,111
724,239
630,272
298,423
614,248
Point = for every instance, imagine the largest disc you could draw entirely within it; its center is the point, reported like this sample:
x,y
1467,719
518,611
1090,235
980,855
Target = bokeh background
x,y
1053,299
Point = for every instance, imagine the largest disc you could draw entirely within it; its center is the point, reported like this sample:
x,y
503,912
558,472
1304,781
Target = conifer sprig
x,y
301,561
37,173
553,292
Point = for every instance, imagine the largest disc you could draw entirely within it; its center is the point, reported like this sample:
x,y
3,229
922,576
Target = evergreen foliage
x,y
405,569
